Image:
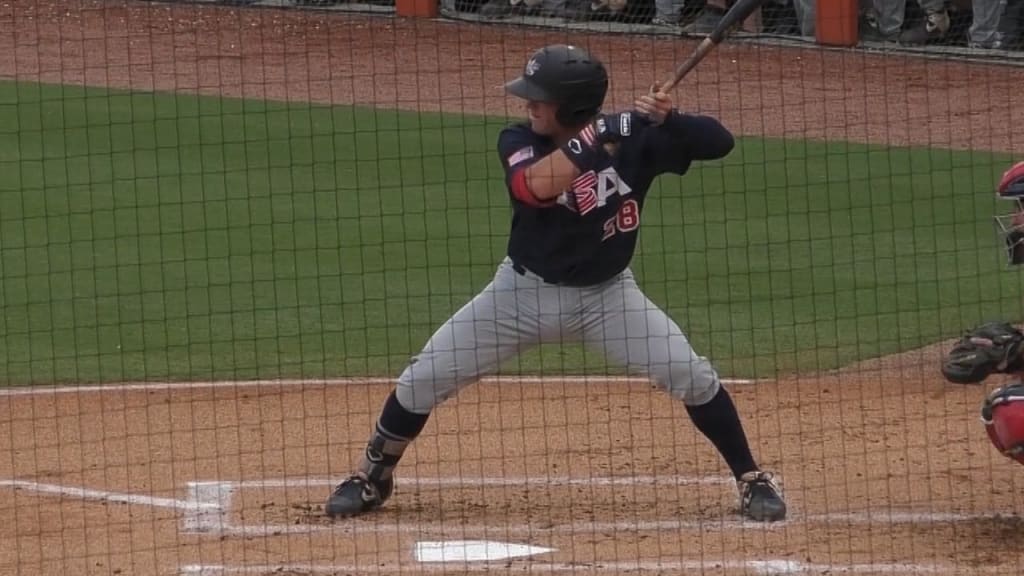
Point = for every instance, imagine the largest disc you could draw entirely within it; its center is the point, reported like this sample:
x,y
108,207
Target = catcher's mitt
x,y
989,348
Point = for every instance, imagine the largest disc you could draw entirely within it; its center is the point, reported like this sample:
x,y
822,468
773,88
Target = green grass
x,y
154,236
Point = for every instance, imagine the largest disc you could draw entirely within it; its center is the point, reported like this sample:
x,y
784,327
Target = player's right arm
x,y
524,157
537,179
550,176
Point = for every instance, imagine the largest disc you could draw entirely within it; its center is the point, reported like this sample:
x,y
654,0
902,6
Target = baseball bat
x,y
739,12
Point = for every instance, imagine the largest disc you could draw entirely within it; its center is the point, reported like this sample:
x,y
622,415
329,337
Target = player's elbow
x,y
540,185
705,137
531,190
719,142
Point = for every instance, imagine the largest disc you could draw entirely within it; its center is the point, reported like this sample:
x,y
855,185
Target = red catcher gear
x,y
1010,227
1003,415
1012,183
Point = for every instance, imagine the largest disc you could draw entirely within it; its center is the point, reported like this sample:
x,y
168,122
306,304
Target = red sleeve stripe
x,y
521,191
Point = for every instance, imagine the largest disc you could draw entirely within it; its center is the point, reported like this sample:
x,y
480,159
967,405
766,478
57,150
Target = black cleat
x,y
760,498
357,495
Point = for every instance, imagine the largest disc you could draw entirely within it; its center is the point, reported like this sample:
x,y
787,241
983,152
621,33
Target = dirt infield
x,y
605,474
885,468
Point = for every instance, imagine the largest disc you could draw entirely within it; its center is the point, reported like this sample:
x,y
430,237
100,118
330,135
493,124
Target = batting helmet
x,y
1003,416
567,76
1010,227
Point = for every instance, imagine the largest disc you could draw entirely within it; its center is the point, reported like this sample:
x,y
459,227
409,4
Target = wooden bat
x,y
739,12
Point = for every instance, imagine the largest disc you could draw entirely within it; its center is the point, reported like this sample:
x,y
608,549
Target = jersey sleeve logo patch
x,y
520,155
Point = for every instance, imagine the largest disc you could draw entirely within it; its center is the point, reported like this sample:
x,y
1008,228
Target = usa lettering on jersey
x,y
591,190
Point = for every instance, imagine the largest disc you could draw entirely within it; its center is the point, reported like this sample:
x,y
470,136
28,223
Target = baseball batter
x,y
577,180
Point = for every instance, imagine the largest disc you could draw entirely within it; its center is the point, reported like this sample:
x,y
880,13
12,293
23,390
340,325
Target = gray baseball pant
x,y
518,311
985,16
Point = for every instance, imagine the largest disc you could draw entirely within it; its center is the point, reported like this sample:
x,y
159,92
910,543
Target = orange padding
x,y
836,22
417,8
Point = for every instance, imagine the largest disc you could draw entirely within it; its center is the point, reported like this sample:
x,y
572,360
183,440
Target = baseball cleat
x,y
357,495
760,498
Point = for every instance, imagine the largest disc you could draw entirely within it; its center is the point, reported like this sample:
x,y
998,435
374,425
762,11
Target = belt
x,y
523,270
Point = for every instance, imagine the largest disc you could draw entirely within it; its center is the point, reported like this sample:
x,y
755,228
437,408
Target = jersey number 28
x,y
626,219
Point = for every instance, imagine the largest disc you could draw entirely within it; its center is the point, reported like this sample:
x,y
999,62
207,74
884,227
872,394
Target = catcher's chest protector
x,y
1003,416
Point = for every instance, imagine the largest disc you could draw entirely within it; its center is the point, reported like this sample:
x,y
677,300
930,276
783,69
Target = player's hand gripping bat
x,y
739,12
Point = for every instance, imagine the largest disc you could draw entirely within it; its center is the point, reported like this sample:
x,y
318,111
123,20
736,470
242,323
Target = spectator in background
x,y
805,15
1011,22
984,31
713,11
568,9
885,22
667,12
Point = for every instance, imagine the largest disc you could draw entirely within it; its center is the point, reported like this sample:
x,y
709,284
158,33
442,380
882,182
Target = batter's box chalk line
x,y
760,567
214,502
298,383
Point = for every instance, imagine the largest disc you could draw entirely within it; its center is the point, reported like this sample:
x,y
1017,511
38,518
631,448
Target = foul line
x,y
151,386
763,567
106,496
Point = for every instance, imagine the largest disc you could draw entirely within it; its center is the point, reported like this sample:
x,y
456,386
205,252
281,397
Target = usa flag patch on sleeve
x,y
521,155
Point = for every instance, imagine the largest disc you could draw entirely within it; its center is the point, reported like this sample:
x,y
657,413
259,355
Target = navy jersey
x,y
588,234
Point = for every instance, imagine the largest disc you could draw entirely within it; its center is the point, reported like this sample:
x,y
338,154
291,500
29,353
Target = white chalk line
x,y
366,526
761,567
107,496
216,499
165,386
500,481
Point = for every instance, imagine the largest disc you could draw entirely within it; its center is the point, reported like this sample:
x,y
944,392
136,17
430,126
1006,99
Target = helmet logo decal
x,y
532,66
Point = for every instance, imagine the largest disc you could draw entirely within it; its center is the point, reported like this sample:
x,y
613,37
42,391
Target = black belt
x,y
522,270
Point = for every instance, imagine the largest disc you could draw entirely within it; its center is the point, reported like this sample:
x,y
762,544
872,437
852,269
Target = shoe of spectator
x,y
872,34
932,28
605,9
573,11
990,45
705,22
496,9
665,22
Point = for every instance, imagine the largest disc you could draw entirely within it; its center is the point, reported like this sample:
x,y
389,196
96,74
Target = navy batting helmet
x,y
567,76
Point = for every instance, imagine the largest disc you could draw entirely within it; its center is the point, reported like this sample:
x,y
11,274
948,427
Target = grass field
x,y
158,236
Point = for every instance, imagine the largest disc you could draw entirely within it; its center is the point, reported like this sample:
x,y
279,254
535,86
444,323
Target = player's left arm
x,y
681,138
699,137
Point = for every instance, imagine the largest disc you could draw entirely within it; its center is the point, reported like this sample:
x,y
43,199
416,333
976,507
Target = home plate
x,y
473,551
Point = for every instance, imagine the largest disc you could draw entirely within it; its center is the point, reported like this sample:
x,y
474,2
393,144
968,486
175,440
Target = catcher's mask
x,y
565,75
1010,227
1002,413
